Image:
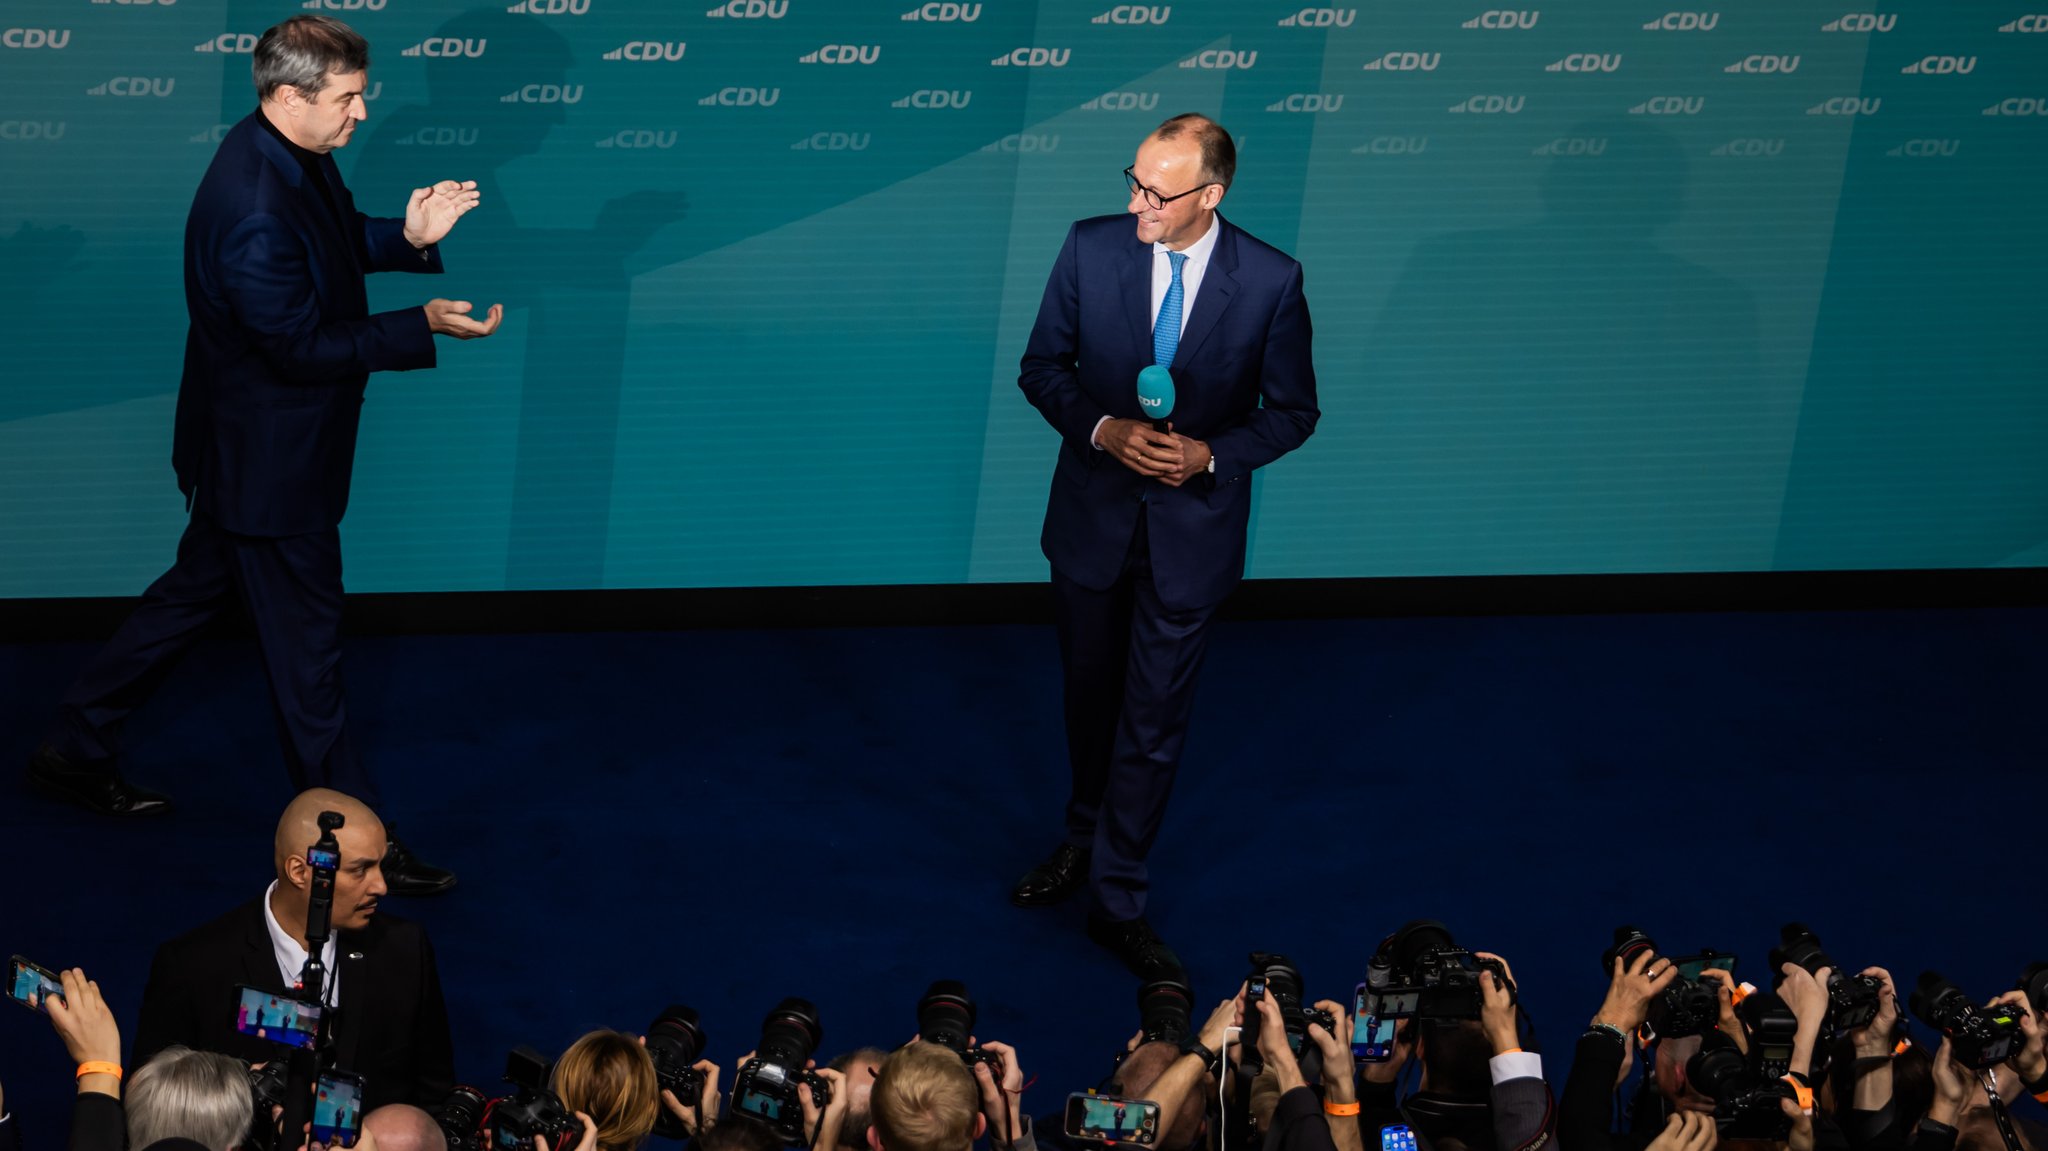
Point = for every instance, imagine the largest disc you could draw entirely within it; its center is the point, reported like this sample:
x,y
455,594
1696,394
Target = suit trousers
x,y
1131,665
291,589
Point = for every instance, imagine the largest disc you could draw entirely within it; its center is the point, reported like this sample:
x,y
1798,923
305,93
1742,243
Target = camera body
x,y
675,1043
1689,1004
268,1086
766,1088
532,1109
1979,1037
1852,999
1747,1099
2034,981
1420,972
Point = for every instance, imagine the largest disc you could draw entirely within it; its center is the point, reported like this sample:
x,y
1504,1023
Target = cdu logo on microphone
x,y
1155,394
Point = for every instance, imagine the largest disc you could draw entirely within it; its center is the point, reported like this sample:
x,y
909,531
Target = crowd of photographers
x,y
1432,1053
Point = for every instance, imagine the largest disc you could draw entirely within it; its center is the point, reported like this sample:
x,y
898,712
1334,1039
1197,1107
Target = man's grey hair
x,y
187,1094
303,50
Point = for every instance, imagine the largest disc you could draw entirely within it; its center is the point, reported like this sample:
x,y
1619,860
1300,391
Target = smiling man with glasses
x,y
1146,528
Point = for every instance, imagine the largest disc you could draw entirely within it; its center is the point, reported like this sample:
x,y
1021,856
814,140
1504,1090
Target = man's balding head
x,y
359,881
299,827
401,1127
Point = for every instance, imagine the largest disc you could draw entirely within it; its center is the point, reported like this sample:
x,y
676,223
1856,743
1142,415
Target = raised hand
x,y
431,212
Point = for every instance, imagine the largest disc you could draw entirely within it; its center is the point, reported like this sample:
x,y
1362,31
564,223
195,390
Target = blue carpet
x,y
726,818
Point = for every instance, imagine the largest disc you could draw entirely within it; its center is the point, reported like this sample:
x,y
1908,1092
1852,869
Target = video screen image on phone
x,y
337,1110
28,981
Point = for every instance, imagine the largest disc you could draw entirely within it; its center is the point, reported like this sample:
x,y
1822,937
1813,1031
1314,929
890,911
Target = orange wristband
x,y
1803,1093
99,1067
1340,1108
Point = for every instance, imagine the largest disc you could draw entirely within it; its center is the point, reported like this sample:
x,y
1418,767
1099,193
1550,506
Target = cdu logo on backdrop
x,y
741,98
1926,148
946,12
1684,22
1320,18
648,51
843,54
232,43
1405,62
1034,58
2019,106
935,98
448,47
1489,106
1501,19
1751,146
1308,102
637,138
20,131
1028,143
339,5
1122,102
1847,106
54,39
1393,146
2038,22
1670,106
1223,58
152,86
1862,22
1941,66
750,10
1135,14
1573,146
1765,65
1587,62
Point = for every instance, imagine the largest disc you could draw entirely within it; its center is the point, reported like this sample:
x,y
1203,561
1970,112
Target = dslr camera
x,y
1691,1003
460,1117
1274,975
766,1087
1166,1011
1979,1037
267,1085
675,1042
945,1016
1420,972
532,1109
1852,1000
1747,1099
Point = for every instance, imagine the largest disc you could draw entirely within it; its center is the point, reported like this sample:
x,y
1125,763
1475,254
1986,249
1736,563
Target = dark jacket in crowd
x,y
1517,1115
391,1026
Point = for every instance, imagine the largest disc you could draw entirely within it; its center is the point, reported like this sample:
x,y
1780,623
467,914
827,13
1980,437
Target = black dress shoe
x,y
99,789
1140,948
408,874
1060,876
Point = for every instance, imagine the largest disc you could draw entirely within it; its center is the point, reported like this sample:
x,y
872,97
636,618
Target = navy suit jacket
x,y
282,341
1244,382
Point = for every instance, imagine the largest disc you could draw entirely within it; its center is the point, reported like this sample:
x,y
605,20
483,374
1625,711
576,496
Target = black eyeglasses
x,y
1153,198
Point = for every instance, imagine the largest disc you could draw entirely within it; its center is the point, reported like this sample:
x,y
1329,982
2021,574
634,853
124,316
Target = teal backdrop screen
x,y
1599,287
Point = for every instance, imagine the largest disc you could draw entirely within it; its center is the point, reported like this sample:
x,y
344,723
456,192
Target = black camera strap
x,y
1989,1078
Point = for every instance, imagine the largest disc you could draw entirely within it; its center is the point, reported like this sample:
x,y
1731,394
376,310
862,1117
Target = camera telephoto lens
x,y
945,1015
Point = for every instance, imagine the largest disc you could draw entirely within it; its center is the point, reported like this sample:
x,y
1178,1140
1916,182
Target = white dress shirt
x,y
291,958
1191,270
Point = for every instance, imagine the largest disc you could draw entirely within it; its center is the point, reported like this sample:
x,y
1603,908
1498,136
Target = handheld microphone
x,y
1155,394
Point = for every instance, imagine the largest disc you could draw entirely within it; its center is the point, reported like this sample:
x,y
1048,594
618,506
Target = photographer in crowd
x,y
608,1076
1479,1087
389,1021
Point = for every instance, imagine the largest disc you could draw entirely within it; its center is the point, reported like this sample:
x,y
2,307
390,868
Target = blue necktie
x,y
1166,333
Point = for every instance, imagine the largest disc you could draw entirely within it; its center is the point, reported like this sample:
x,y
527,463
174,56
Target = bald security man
x,y
389,1020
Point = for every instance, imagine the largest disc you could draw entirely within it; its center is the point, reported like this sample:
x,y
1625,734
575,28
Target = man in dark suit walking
x,y
279,351
1146,529
390,1022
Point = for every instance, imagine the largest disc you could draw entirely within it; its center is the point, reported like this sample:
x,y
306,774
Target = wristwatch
x,y
1192,1045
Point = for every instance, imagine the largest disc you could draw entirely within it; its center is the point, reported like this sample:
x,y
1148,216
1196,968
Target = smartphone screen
x,y
278,1018
338,1109
1397,1137
25,979
1372,1038
1109,1119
